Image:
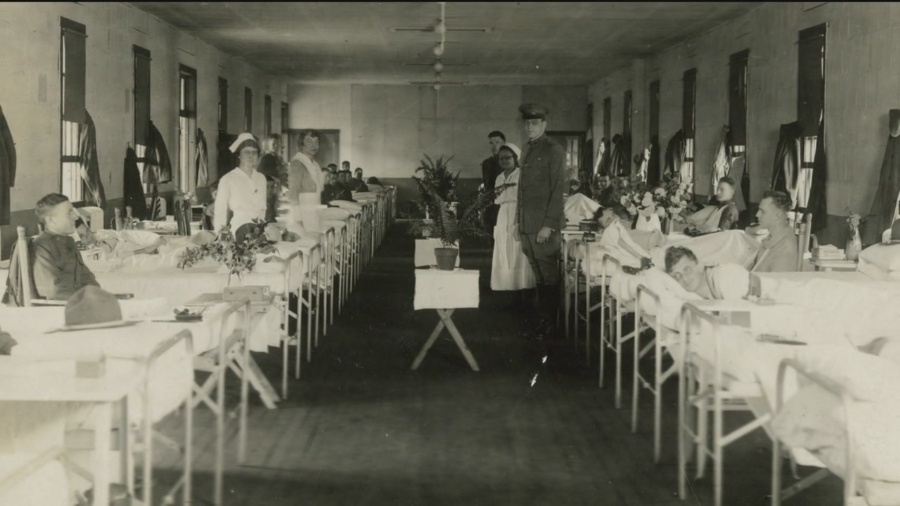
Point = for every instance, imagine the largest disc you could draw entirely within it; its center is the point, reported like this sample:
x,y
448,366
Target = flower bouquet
x,y
238,255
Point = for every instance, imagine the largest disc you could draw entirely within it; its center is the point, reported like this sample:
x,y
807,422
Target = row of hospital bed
x,y
54,441
791,358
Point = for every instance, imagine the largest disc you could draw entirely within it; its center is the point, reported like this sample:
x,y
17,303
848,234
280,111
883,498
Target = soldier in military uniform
x,y
540,213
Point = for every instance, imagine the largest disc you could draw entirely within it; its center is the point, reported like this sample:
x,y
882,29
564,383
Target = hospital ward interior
x,y
450,253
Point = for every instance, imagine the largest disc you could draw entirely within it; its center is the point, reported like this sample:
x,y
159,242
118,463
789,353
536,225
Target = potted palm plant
x,y
445,221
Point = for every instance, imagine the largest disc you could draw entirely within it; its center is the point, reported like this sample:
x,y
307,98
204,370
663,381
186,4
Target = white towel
x,y
579,207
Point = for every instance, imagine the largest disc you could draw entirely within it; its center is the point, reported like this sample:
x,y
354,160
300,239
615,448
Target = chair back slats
x,y
24,265
803,230
7,239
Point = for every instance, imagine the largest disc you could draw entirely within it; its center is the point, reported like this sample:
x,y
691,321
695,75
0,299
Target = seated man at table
x,y
722,282
720,214
58,269
778,252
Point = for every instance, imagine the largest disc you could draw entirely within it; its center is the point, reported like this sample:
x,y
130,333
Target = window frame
x,y
223,104
653,96
71,183
689,120
140,148
187,125
248,109
810,104
267,115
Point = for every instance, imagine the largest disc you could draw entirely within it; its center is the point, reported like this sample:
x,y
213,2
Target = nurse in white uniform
x,y
306,182
242,191
510,269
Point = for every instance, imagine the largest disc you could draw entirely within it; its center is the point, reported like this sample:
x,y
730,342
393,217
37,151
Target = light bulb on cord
x,y
439,49
438,66
437,87
440,28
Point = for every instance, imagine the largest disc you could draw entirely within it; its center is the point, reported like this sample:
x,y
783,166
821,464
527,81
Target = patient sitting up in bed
x,y
721,214
119,244
632,246
722,282
779,251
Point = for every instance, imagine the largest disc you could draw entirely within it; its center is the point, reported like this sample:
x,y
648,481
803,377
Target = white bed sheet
x,y
729,247
47,486
181,285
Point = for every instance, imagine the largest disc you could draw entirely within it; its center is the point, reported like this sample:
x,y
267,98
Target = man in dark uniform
x,y
490,169
540,216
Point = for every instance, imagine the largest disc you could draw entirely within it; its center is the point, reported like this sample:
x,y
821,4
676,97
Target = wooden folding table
x,y
445,292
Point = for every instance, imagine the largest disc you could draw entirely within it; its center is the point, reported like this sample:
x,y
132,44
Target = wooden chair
x,y
26,267
7,241
26,270
805,237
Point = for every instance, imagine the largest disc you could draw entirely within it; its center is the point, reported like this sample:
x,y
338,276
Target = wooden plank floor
x,y
361,428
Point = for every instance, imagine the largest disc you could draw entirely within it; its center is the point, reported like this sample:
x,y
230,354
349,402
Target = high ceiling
x,y
528,43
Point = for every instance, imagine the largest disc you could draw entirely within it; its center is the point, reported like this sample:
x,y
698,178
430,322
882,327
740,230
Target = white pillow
x,y
876,272
866,377
887,257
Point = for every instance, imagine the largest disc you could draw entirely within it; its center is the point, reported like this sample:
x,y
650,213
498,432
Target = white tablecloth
x,y
437,289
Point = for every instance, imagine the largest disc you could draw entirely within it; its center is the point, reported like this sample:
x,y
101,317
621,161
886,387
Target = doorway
x,y
573,144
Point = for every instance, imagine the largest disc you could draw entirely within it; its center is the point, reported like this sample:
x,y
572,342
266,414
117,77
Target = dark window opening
x,y
810,103
72,73
689,122
223,104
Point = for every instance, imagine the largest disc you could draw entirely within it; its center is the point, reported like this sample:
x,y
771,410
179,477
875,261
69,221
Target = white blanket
x,y
578,207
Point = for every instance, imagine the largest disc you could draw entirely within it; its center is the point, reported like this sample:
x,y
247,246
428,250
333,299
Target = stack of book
x,y
828,252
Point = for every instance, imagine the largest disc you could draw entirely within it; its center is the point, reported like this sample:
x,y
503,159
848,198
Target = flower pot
x,y
446,258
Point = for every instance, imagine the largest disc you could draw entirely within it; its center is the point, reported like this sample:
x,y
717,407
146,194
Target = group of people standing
x,y
264,188
527,218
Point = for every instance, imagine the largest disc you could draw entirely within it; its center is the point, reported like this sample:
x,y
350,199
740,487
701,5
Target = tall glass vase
x,y
854,245
648,223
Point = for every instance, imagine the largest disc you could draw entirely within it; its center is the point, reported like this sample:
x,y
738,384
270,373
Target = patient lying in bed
x,y
119,244
625,243
722,282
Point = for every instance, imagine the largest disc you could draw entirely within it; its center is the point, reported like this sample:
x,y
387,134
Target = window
x,y
810,103
187,125
285,128
141,104
737,113
248,110
653,166
607,133
627,111
223,104
689,122
267,116
72,115
737,101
